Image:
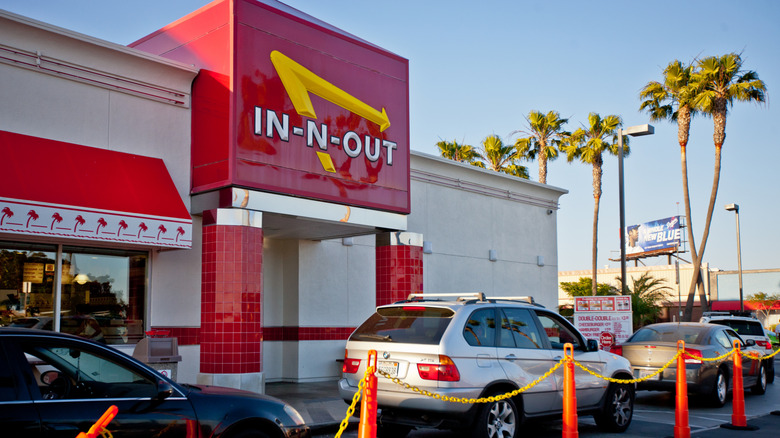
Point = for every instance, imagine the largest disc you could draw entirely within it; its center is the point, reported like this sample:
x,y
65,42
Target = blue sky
x,y
477,68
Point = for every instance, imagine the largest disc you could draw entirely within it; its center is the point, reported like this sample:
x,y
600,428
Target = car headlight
x,y
294,415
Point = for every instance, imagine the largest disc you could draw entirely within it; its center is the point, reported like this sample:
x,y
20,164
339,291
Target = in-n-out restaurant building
x,y
243,179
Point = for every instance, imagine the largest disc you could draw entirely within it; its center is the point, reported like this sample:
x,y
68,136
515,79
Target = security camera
x,y
549,211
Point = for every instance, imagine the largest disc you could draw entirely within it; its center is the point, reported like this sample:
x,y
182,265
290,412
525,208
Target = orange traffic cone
x,y
738,418
101,424
368,406
681,427
569,395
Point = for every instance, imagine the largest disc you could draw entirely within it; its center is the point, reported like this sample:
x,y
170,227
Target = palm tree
x,y
589,145
462,153
55,218
501,158
7,212
544,135
122,226
720,81
31,216
79,221
646,293
673,100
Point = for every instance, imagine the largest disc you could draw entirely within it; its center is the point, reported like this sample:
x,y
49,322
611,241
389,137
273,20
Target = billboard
x,y
659,235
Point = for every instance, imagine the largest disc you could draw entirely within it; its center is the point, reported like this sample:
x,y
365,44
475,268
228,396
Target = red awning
x,y
61,189
724,306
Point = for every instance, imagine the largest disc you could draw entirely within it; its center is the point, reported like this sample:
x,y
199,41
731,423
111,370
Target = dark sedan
x,y
56,385
652,346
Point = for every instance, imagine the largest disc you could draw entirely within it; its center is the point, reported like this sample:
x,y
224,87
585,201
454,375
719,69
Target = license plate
x,y
390,368
645,373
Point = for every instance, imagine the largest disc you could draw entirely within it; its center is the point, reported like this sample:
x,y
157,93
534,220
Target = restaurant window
x,y
102,294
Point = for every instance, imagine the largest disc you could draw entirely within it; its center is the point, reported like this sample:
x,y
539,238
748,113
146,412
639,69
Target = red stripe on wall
x,y
307,333
185,335
191,335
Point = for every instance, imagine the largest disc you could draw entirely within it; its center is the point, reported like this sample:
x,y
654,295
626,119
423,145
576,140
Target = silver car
x,y
654,345
471,347
748,327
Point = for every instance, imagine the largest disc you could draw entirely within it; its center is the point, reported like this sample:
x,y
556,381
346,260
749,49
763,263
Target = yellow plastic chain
x,y
750,355
351,409
510,394
648,377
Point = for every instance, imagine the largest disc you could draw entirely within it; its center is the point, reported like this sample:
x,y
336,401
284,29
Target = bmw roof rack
x,y
524,298
479,296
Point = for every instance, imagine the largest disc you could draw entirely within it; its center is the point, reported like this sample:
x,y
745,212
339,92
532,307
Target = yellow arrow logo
x,y
298,81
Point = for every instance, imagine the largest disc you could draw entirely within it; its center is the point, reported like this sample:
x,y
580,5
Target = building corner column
x,y
231,300
399,266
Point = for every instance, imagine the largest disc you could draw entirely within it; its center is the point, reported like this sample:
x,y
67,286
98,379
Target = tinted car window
x,y
733,336
7,386
405,324
68,372
750,328
722,339
557,332
480,329
691,335
519,330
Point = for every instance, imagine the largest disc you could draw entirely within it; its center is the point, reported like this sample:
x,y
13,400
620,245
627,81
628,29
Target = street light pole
x,y
634,131
735,209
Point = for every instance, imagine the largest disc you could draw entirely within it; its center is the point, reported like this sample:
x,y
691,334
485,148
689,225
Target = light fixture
x,y
735,209
427,247
634,131
81,279
540,261
347,241
492,256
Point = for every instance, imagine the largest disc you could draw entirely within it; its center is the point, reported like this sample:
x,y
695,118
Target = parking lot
x,y
654,417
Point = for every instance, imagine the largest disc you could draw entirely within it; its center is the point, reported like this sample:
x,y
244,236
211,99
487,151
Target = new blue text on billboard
x,y
662,234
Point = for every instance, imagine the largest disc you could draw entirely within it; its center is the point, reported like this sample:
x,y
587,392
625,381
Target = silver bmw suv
x,y
470,346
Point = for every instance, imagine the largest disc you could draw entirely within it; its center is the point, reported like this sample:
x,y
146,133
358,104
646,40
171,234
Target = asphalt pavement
x,y
322,409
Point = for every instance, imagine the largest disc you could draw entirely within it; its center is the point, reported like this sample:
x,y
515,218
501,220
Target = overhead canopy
x,y
728,305
61,189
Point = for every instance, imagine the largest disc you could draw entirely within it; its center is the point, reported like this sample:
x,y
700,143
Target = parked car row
x,y
472,346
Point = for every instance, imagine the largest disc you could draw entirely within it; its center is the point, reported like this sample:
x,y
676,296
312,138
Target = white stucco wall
x,y
58,107
464,211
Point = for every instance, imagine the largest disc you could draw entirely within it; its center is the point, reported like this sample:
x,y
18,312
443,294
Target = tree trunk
x,y
542,161
597,172
683,131
719,118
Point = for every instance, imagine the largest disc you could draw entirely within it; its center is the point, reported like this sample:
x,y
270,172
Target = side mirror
x,y
592,345
164,390
749,342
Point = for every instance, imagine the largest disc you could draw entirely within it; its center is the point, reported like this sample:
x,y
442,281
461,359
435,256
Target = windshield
x,y
405,324
673,333
750,328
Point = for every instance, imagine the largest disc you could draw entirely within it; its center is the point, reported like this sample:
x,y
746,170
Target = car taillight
x,y
767,344
616,349
350,365
445,370
691,354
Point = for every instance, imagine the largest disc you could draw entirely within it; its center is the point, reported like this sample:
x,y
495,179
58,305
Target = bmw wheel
x,y
497,419
618,408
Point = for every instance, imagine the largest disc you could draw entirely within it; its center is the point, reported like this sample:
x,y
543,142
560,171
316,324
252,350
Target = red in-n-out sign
x,y
605,318
285,103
